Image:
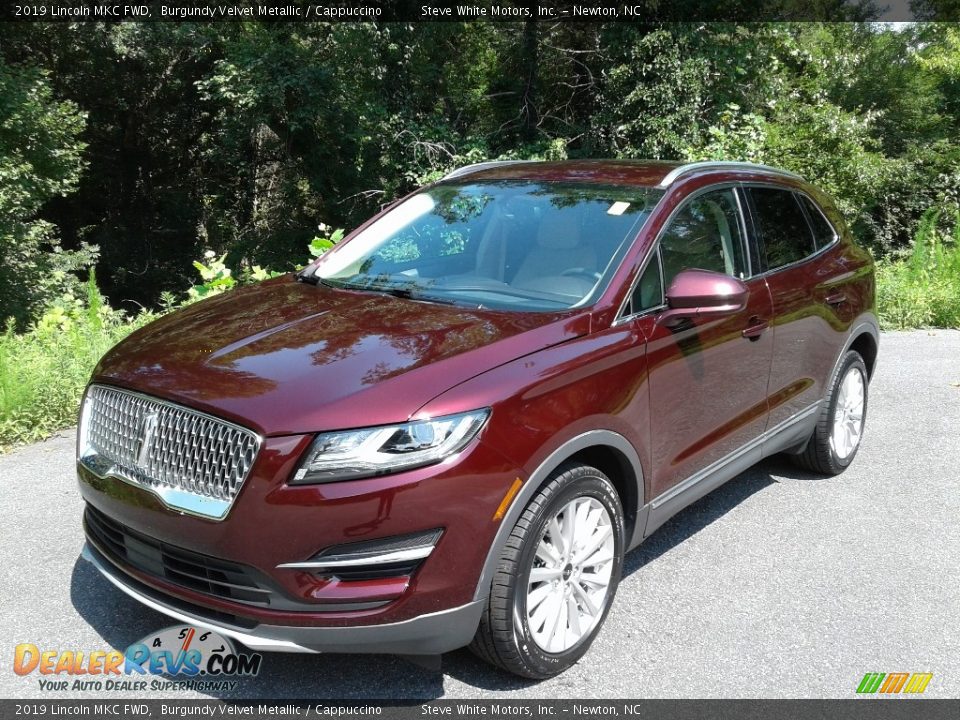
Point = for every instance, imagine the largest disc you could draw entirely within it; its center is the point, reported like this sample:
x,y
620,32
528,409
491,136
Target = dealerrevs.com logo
x,y
196,659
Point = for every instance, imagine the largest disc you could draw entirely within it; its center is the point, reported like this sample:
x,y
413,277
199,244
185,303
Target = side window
x,y
782,225
823,232
704,234
648,292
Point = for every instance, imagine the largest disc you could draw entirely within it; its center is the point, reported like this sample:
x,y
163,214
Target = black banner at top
x,y
636,11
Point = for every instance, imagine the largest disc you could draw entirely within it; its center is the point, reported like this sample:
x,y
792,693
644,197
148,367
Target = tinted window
x,y
704,234
514,244
823,232
782,225
648,293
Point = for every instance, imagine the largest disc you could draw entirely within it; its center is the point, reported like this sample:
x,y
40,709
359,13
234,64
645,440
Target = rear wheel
x,y
839,429
557,576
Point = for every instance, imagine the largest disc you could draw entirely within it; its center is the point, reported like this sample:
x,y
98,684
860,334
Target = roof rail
x,y
672,176
477,167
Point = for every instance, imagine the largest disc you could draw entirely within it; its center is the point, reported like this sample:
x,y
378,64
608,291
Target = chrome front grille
x,y
191,460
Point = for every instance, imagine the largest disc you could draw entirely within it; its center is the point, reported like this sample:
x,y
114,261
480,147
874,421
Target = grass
x,y
923,290
44,370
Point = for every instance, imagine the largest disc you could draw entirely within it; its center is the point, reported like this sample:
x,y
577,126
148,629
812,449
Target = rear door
x,y
804,271
707,379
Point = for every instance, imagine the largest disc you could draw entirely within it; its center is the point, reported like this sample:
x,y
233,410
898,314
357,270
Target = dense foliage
x,y
923,289
40,158
154,143
43,371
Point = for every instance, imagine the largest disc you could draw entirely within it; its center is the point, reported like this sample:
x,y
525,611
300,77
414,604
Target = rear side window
x,y
783,227
823,232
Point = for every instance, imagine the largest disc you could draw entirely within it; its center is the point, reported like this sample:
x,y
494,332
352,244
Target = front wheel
x,y
839,429
557,576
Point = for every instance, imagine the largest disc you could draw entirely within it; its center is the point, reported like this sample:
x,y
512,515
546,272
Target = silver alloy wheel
x,y
570,577
848,414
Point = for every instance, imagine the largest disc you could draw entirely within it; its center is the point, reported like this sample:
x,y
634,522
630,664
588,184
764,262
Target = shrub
x,y
43,371
40,159
923,290
218,278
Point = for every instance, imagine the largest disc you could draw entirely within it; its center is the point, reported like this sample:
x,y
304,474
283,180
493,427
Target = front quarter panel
x,y
542,400
551,404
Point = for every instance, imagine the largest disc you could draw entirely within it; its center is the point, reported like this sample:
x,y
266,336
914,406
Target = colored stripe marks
x,y
893,683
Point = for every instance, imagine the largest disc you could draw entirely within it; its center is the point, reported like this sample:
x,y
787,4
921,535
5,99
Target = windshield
x,y
519,245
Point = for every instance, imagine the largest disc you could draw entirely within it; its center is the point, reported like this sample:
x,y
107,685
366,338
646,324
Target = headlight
x,y
355,454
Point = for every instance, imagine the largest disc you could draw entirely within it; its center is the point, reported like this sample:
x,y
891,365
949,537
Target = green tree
x,y
241,138
40,159
663,89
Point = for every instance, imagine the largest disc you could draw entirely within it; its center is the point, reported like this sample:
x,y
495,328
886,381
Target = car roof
x,y
648,173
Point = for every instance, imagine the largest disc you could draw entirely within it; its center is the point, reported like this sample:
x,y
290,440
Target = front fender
x,y
548,406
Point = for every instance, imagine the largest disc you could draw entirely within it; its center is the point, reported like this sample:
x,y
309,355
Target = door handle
x,y
755,329
835,299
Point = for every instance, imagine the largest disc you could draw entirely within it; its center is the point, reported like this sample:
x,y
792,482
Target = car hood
x,y
284,357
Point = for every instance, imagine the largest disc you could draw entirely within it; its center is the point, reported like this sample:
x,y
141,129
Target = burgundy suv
x,y
450,428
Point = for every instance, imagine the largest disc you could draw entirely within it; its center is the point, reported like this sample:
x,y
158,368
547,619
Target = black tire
x,y
819,455
504,638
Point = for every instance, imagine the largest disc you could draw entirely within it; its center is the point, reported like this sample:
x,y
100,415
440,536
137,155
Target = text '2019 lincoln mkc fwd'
x,y
450,428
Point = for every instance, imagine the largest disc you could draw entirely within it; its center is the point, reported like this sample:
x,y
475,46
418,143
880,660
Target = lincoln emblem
x,y
147,430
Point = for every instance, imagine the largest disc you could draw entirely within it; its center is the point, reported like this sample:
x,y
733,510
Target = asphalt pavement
x,y
779,584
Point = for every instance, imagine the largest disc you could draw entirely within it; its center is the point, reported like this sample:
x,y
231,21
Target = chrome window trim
x,y
207,507
818,251
808,258
677,172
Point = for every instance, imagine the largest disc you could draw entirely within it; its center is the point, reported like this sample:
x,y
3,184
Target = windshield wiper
x,y
317,280
311,279
408,293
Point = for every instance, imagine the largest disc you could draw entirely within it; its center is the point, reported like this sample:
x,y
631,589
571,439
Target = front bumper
x,y
429,634
274,529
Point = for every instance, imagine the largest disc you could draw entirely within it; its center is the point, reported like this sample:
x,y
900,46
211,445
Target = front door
x,y
708,378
